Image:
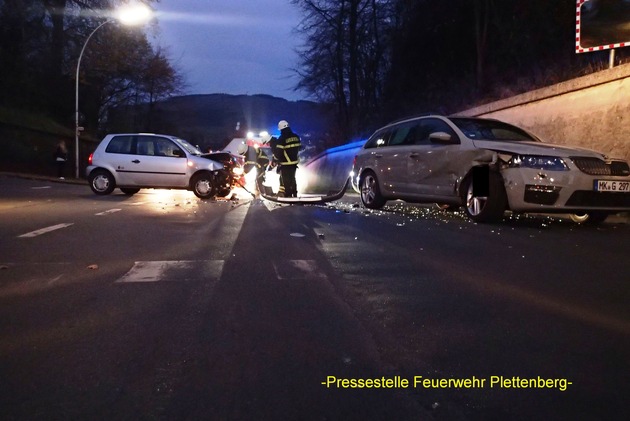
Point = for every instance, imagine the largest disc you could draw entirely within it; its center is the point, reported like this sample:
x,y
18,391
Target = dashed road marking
x,y
173,270
107,212
45,230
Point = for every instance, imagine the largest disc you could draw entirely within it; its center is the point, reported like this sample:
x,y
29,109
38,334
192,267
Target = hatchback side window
x,y
165,147
145,146
119,144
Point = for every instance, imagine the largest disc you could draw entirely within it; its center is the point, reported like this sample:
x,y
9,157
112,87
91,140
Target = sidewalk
x,y
26,176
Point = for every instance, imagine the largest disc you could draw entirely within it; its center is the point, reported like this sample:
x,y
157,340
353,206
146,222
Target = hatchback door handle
x,y
378,155
136,161
413,155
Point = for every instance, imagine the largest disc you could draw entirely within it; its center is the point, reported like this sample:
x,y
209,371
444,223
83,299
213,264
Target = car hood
x,y
536,148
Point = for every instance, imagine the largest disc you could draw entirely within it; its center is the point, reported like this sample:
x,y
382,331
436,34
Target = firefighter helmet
x,y
241,148
283,124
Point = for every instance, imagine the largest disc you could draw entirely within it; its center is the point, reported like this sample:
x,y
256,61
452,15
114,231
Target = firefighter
x,y
273,143
262,159
286,154
250,158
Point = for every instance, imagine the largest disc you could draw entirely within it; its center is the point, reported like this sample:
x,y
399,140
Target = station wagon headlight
x,y
549,163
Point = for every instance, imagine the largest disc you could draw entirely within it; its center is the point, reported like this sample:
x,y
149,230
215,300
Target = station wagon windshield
x,y
478,129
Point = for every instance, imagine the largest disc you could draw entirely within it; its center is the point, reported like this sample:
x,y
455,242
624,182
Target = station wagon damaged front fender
x,y
475,158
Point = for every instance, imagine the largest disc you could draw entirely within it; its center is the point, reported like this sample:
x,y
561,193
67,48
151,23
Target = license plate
x,y
612,186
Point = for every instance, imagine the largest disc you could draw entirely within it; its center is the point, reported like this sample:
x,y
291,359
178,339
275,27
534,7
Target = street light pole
x,y
78,129
127,15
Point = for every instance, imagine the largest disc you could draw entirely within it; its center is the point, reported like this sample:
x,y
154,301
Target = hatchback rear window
x,y
120,144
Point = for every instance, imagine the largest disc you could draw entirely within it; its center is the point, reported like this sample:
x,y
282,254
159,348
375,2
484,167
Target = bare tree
x,y
40,43
344,58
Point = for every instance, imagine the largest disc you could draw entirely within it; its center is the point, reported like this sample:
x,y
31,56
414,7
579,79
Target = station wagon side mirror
x,y
178,153
441,138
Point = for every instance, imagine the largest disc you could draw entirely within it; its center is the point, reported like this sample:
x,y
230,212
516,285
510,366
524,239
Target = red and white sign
x,y
602,25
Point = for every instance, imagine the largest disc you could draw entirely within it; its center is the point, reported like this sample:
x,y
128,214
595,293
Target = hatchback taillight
x,y
90,159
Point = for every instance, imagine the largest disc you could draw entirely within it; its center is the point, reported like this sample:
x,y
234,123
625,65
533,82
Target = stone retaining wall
x,y
592,112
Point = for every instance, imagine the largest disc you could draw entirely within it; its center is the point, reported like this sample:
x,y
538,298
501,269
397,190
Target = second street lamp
x,y
128,15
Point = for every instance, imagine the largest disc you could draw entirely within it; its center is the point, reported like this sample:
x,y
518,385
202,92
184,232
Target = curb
x,y
43,178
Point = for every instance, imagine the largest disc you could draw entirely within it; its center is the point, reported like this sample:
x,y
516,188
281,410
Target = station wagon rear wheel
x,y
102,182
370,192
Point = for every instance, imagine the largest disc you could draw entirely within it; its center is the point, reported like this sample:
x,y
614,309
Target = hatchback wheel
x,y
102,182
488,205
203,186
370,192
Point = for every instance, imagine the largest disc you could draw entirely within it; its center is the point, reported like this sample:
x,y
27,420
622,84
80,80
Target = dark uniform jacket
x,y
287,148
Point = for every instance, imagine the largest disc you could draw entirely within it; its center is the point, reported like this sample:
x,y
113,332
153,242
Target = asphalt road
x,y
163,306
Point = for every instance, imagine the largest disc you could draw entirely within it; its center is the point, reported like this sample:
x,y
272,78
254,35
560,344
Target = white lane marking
x,y
45,230
173,270
298,269
107,212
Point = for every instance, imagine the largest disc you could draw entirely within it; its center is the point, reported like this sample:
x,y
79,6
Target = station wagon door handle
x,y
378,155
136,161
414,155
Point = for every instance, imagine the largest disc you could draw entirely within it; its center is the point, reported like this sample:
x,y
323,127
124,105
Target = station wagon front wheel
x,y
590,218
485,201
370,191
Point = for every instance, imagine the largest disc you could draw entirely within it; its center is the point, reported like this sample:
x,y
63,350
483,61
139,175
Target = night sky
x,y
231,46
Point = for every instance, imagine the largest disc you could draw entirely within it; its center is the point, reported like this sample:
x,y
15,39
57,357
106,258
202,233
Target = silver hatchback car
x,y
143,160
488,167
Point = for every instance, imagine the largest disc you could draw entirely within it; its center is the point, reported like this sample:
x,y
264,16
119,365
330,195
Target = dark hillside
x,y
211,120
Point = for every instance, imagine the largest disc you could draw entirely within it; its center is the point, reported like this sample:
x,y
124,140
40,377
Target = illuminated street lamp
x,y
127,15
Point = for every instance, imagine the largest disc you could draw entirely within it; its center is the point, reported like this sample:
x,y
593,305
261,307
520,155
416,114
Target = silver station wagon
x,y
488,167
143,160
